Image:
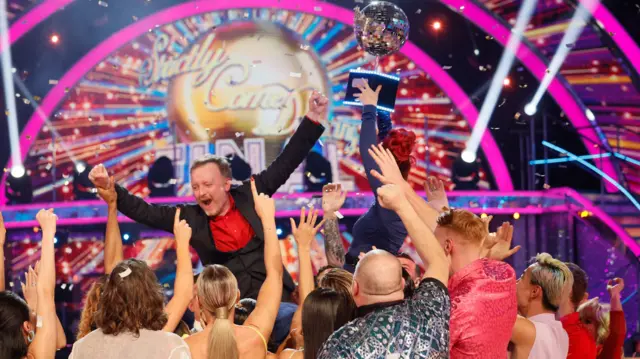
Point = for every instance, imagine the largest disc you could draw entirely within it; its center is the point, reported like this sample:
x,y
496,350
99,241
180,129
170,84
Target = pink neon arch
x,y
538,67
97,54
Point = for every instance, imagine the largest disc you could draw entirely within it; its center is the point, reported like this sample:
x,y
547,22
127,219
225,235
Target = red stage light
x,y
507,82
54,39
437,25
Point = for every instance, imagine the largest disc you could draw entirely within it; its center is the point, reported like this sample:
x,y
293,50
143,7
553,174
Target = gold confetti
x,y
6,112
546,186
489,37
26,101
37,98
517,116
53,82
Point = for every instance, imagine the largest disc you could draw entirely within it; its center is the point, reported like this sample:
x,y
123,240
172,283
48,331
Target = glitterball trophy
x,y
381,28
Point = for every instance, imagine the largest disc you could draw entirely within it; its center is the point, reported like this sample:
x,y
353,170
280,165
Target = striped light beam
x,y
524,15
578,22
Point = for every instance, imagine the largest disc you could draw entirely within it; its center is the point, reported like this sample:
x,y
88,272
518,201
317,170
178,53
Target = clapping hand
x,y
181,229
99,177
436,195
332,199
366,95
264,205
318,107
305,232
497,245
388,166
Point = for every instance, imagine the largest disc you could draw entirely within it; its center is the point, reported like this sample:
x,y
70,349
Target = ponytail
x,y
222,339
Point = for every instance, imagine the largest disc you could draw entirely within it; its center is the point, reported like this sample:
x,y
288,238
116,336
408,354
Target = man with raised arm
x,y
226,229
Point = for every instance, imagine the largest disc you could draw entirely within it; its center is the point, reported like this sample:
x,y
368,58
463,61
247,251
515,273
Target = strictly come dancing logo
x,y
251,78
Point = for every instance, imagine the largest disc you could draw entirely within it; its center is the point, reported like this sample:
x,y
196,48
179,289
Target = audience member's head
x,y
218,294
401,143
87,318
595,317
542,285
579,292
322,271
409,265
132,299
337,279
243,310
194,305
182,330
377,279
460,234
16,329
409,284
324,311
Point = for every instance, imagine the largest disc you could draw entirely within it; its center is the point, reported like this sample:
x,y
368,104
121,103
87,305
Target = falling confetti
x,y
489,37
482,68
239,134
37,98
53,82
135,18
26,101
447,67
523,86
462,8
295,74
504,100
103,4
517,116
546,186
317,8
418,11
304,47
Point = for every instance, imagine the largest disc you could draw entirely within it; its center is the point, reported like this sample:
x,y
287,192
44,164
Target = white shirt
x,y
150,344
552,341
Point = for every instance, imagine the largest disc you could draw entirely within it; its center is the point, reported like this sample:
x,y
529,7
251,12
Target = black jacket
x,y
247,264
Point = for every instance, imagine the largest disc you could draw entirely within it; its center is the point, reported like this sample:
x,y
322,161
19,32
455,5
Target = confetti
x,y
135,18
338,214
447,67
103,4
517,116
523,86
26,101
304,47
546,186
482,68
295,74
418,11
239,134
53,82
504,100
462,8
489,37
317,8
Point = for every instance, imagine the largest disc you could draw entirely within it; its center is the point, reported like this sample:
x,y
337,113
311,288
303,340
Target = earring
x,y
31,335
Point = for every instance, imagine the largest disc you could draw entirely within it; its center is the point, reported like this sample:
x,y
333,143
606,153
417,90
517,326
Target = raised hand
x,y
436,196
367,96
332,198
99,176
615,286
305,232
318,107
181,229
388,166
47,220
264,205
498,245
3,231
29,289
391,196
109,194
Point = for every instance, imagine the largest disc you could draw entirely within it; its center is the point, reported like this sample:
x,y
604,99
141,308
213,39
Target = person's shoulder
x,y
176,346
431,287
498,270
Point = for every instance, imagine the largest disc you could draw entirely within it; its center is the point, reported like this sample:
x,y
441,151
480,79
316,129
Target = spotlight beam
x,y
9,91
524,15
578,22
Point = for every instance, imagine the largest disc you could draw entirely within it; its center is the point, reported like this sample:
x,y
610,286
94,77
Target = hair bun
x,y
401,143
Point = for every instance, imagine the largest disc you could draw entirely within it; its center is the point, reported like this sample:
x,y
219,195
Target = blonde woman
x,y
218,293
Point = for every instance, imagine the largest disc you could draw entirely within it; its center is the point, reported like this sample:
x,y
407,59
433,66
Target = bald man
x,y
387,324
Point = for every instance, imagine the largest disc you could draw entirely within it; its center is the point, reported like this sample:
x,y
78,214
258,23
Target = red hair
x,y
401,143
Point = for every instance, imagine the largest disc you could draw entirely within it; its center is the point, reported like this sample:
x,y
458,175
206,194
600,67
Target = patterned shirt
x,y
415,328
483,310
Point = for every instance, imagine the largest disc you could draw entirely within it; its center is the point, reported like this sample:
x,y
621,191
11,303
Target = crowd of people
x,y
370,301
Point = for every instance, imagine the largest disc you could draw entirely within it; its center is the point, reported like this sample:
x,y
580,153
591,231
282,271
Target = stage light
x,y
18,190
18,171
502,71
530,109
161,179
476,52
584,214
279,231
507,82
590,116
83,188
80,167
465,175
437,25
483,215
468,156
317,172
516,216
55,240
54,39
126,236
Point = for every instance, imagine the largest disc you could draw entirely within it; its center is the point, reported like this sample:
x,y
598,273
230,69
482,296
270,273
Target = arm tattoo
x,y
333,243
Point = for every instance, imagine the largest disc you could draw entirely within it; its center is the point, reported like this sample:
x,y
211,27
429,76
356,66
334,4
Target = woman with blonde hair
x,y
218,293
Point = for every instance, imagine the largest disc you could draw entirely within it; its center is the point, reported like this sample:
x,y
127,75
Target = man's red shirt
x,y
231,230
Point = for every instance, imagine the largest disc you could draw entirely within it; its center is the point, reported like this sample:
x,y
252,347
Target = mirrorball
x,y
381,28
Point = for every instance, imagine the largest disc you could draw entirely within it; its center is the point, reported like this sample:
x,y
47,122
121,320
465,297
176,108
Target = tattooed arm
x,y
332,200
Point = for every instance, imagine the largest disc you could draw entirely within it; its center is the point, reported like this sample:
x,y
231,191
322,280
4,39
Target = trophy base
x,y
387,96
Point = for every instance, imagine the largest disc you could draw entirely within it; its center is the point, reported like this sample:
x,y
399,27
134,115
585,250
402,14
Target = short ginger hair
x,y
465,224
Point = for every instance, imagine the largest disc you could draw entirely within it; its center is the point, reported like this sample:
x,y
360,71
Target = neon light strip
x,y
596,170
627,158
369,72
527,54
354,103
172,14
31,19
567,159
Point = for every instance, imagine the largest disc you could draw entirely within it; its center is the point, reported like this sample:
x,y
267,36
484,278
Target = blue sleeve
x,y
384,125
368,138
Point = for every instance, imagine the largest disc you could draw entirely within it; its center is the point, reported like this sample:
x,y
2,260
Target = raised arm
x,y
302,141
332,200
44,343
134,207
368,137
183,285
113,252
3,237
304,234
264,315
612,346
